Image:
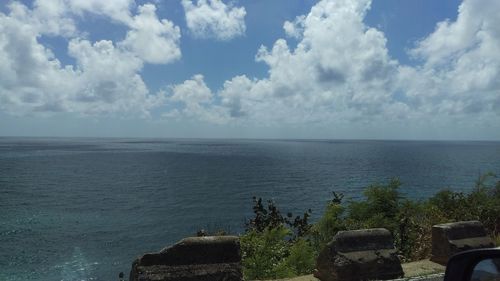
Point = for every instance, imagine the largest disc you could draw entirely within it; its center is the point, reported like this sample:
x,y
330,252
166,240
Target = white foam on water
x,y
78,268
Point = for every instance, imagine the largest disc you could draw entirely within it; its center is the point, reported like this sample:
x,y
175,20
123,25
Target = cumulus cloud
x,y
46,17
118,10
295,28
153,40
214,19
27,69
336,71
461,63
339,69
106,76
107,79
196,101
340,72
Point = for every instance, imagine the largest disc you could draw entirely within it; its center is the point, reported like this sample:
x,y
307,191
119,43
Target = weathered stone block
x,y
192,259
366,254
451,238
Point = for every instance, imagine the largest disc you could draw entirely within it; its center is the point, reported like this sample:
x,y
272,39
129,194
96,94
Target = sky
x,y
329,69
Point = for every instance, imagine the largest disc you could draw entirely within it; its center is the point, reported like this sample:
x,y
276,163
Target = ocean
x,y
83,209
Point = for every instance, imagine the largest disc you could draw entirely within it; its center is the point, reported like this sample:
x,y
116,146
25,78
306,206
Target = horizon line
x,y
248,138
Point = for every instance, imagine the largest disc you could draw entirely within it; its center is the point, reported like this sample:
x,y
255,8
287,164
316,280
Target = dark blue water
x,y
83,209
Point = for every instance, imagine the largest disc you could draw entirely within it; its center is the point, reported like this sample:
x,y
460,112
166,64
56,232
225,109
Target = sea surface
x,y
83,209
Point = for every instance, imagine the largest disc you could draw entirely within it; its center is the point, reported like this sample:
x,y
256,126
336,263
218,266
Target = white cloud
x,y
461,63
153,40
192,92
52,18
118,10
451,40
196,101
296,28
214,19
340,72
340,69
27,69
106,77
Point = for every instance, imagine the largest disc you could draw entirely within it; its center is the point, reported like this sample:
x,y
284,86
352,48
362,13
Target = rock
x,y
451,238
192,259
359,255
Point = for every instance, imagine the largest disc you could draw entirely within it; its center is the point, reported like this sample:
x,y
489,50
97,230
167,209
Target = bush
x,y
413,236
329,224
302,257
482,204
274,246
380,209
271,217
264,253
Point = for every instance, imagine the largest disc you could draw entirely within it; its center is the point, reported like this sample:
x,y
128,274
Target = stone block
x,y
451,238
192,259
367,254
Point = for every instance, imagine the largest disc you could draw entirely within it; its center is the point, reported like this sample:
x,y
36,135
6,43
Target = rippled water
x,y
83,209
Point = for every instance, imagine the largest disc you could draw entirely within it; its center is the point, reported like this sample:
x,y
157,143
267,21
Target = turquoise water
x,y
83,209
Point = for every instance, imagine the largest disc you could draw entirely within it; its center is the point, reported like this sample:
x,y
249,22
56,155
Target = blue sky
x,y
251,69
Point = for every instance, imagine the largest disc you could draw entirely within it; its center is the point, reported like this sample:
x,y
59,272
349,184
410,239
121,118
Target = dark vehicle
x,y
474,265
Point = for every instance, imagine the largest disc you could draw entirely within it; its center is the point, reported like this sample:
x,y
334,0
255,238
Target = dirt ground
x,y
423,267
411,269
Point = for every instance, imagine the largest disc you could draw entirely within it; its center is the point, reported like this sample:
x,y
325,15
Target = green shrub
x,y
379,209
271,217
413,235
328,225
269,255
482,203
302,257
274,246
264,253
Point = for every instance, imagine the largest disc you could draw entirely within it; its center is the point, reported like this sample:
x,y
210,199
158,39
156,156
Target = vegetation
x,y
275,246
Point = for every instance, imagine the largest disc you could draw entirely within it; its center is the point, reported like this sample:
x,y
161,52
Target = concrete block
x,y
367,254
451,238
209,258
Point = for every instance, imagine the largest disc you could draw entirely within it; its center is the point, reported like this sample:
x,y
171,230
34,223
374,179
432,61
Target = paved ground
x,y
423,270
432,277
423,267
